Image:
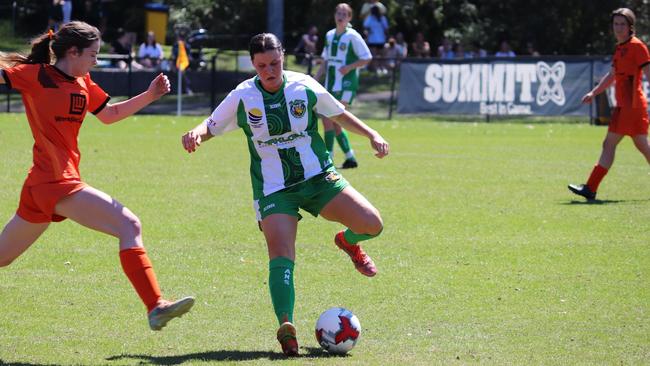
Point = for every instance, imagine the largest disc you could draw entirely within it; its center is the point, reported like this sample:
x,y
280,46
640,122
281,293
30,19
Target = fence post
x,y
130,75
213,81
392,89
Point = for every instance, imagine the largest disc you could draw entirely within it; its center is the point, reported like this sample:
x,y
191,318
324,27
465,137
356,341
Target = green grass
x,y
486,258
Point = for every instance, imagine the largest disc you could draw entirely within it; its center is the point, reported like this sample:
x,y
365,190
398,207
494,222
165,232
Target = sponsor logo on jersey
x,y
255,117
77,103
297,108
282,140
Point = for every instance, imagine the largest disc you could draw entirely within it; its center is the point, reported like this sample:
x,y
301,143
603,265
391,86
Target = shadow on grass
x,y
2,363
602,202
211,356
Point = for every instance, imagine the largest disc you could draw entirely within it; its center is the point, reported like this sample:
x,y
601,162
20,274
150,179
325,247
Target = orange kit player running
x,y
56,98
630,117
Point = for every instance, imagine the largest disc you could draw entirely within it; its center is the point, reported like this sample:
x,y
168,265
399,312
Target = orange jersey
x,y
55,105
629,59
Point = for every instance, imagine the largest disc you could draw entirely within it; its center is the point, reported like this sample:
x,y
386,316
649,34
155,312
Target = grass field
x,y
486,258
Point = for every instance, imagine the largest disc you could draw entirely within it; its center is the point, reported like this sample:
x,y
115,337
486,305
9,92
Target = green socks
x,y
354,238
329,141
343,141
281,286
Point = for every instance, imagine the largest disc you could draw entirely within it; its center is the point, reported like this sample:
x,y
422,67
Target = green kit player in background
x,y
344,53
291,169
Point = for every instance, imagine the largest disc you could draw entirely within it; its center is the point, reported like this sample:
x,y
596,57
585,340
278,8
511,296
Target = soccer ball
x,y
337,330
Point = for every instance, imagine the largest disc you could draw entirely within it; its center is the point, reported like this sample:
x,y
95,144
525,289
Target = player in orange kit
x,y
56,98
630,117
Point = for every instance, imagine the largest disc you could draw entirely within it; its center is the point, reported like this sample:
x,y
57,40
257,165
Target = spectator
x,y
401,44
55,15
307,45
445,50
420,46
504,50
150,53
376,26
476,51
123,45
367,6
531,50
458,50
66,9
393,53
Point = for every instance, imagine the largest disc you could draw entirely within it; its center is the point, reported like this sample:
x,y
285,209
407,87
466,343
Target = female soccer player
x,y
630,117
56,98
344,53
291,169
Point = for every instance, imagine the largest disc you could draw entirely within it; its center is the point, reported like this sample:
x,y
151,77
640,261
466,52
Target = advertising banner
x,y
526,86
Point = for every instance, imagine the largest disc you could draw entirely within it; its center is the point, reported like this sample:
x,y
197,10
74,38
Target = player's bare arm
x,y
115,112
603,84
355,65
193,138
351,123
321,70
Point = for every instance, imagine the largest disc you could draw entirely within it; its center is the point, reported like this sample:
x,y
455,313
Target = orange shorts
x,y
37,202
629,121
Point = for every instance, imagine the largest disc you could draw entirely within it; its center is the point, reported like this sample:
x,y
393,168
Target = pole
x,y
392,89
180,92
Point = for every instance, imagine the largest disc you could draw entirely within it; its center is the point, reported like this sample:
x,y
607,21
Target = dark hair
x,y
628,15
264,42
73,34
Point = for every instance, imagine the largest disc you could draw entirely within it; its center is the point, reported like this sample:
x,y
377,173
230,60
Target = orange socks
x,y
139,270
597,175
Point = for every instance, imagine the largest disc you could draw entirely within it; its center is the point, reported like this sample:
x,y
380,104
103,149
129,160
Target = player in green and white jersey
x,y
344,53
291,169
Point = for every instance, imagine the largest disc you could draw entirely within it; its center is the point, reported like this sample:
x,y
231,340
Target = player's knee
x,y
374,225
131,226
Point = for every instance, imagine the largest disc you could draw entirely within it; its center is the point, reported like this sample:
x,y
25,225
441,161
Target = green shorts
x,y
311,195
346,96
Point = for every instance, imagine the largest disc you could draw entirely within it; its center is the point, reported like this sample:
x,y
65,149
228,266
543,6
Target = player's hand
x,y
344,70
379,145
159,86
588,98
191,141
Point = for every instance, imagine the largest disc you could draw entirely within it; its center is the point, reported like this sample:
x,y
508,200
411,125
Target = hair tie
x,y
50,33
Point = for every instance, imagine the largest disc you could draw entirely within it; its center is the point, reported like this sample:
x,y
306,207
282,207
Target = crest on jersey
x,y
343,46
255,117
297,108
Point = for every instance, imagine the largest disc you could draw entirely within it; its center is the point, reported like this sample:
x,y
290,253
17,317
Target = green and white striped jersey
x,y
341,50
281,128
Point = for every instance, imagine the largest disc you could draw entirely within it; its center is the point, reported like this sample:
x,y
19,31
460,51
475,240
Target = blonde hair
x,y
345,6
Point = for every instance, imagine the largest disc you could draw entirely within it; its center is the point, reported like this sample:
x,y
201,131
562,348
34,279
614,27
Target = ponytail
x,y
49,45
40,54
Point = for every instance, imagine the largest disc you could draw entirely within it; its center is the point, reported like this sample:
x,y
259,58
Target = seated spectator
x,y
376,26
420,47
504,50
393,54
445,50
306,45
476,51
401,44
150,53
531,50
123,45
458,50
365,8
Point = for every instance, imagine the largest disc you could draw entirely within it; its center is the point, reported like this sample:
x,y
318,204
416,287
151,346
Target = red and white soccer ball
x,y
337,330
